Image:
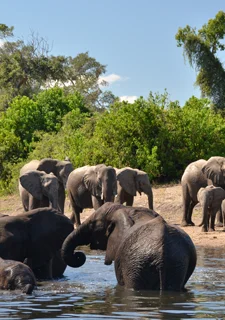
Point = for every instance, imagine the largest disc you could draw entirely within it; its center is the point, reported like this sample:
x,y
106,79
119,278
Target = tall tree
x,y
201,48
26,68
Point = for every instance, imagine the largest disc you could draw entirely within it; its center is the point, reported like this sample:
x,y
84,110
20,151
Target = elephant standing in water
x,y
148,253
129,182
35,238
210,198
59,169
16,275
90,187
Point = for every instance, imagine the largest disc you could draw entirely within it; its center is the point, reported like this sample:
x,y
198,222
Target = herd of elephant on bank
x,y
148,253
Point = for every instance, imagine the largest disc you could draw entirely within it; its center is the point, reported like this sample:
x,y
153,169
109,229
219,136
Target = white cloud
x,y
129,99
111,78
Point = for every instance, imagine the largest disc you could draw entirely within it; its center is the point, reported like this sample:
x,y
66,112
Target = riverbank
x,y
167,202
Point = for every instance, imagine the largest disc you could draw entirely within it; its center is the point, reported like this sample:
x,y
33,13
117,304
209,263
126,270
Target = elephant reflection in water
x,y
148,252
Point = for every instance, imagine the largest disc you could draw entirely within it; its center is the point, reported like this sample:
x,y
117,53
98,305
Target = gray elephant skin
x,y
59,169
38,189
129,182
35,238
198,175
90,187
16,275
210,198
192,180
148,253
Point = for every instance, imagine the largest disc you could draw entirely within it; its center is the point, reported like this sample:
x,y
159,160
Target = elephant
x,y
37,189
90,187
214,169
16,275
35,237
148,252
61,169
191,181
210,198
129,181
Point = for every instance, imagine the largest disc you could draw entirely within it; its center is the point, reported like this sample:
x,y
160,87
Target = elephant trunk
x,y
53,199
147,189
108,194
80,236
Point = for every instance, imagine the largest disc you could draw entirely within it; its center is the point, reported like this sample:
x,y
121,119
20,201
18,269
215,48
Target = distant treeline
x,y
154,134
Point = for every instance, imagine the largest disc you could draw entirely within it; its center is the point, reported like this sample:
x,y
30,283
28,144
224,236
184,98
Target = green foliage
x,y
155,135
26,68
200,48
5,31
27,121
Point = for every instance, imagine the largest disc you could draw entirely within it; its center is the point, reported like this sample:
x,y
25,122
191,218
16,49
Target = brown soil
x,y
167,202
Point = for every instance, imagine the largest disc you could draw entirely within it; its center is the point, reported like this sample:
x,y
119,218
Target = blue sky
x,y
134,38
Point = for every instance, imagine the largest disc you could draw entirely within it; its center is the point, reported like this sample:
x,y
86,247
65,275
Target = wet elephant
x,y
35,237
16,275
148,252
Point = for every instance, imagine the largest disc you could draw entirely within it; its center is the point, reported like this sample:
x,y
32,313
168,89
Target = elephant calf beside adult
x,y
90,187
210,198
148,252
129,182
198,175
38,191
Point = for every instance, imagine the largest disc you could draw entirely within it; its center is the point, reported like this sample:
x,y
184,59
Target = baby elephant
x,y
16,275
210,198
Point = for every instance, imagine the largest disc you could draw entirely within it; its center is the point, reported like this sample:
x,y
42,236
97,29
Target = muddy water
x,y
91,292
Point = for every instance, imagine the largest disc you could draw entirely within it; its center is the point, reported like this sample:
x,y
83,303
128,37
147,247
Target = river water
x,y
91,292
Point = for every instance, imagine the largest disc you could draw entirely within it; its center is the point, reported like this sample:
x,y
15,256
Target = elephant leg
x,y
129,199
75,215
186,205
205,221
97,202
44,272
58,265
212,221
120,196
189,213
219,218
33,203
61,197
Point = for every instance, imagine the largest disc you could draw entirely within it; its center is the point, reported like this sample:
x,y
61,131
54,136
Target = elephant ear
x,y
31,181
127,180
115,232
214,170
48,165
92,183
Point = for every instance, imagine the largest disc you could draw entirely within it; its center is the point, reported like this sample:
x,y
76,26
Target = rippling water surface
x,y
91,292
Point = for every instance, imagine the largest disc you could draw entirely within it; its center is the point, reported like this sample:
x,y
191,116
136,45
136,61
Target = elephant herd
x,y
148,252
204,181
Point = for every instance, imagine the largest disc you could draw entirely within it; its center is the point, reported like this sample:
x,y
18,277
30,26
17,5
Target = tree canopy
x,y
26,68
201,48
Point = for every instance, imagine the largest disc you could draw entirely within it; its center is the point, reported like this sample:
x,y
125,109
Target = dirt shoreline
x,y
167,202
